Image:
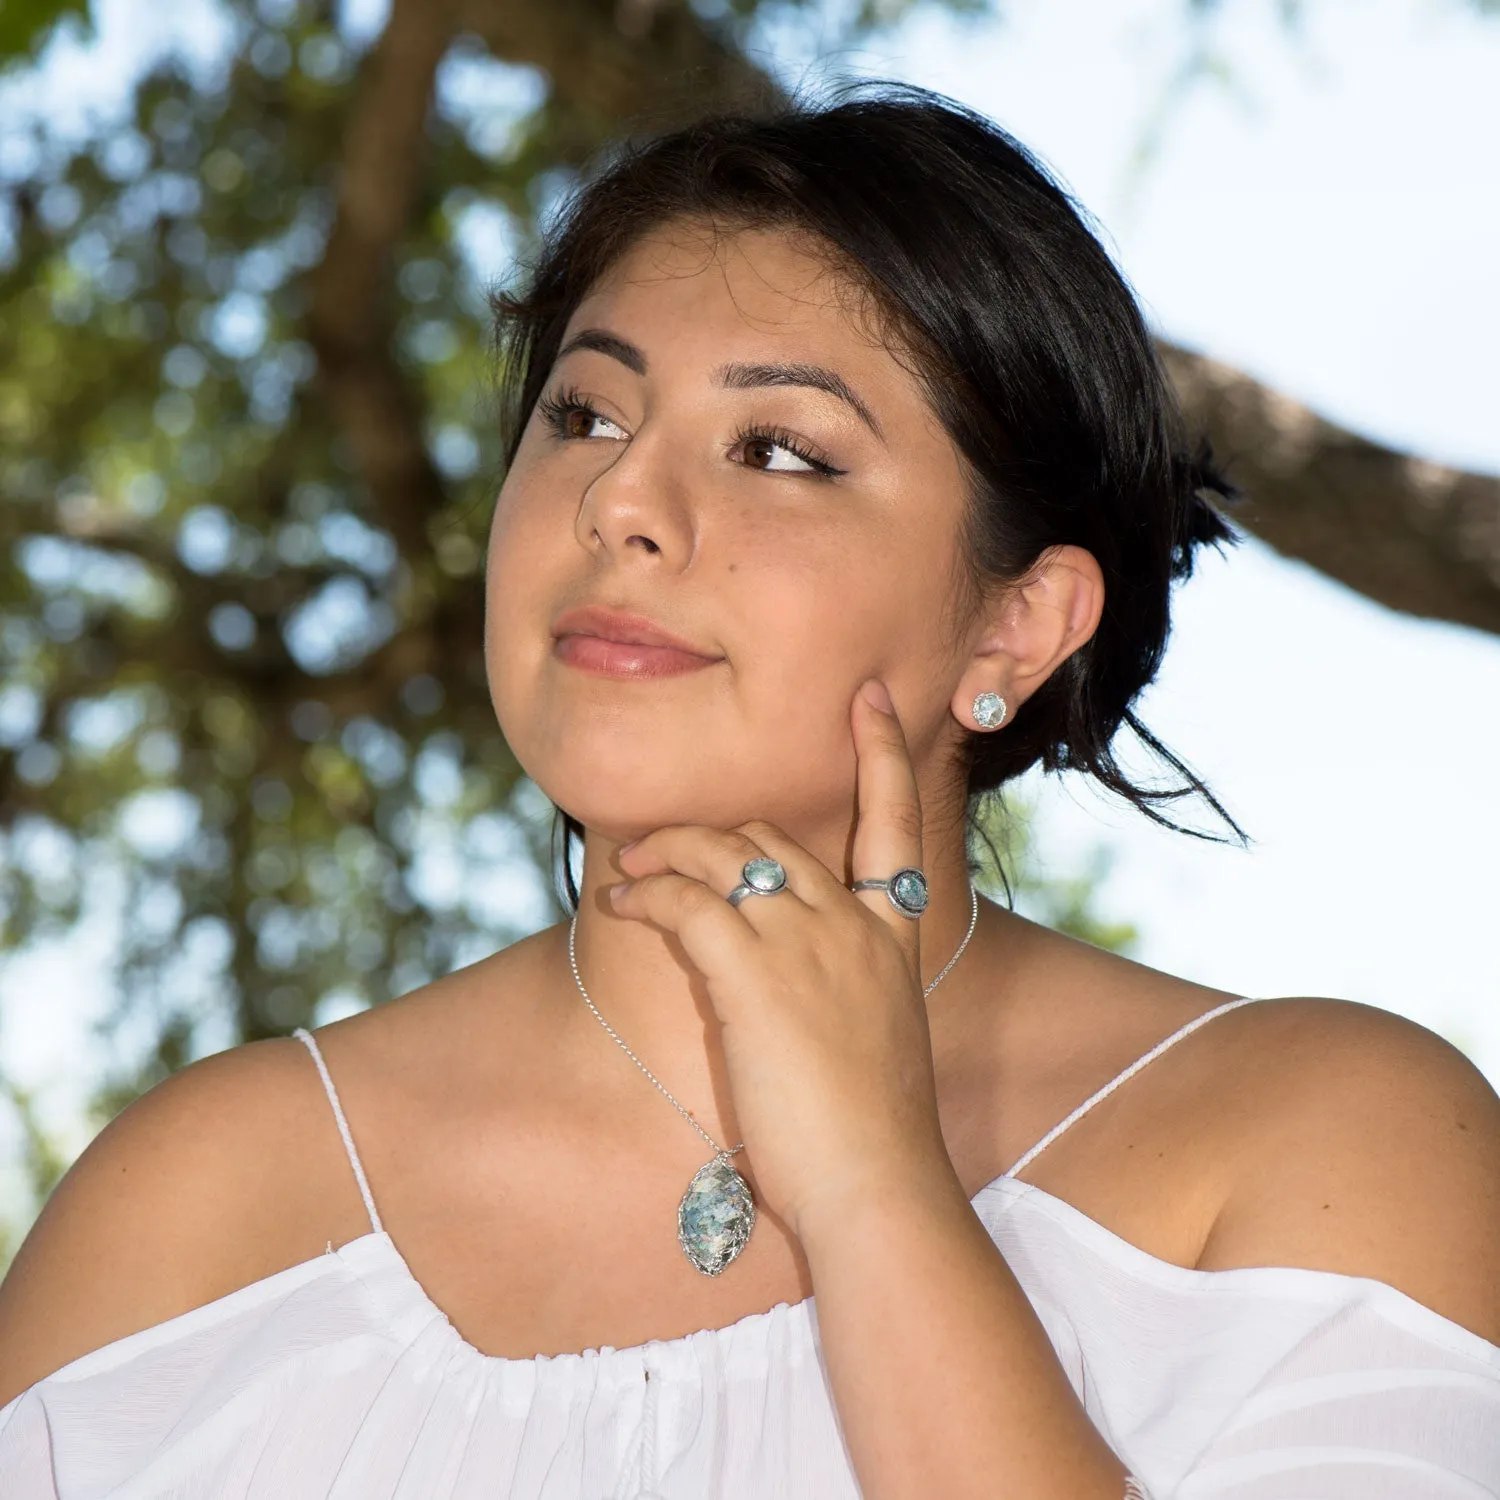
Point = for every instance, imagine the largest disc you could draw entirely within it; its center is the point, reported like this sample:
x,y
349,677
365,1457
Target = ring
x,y
907,889
760,877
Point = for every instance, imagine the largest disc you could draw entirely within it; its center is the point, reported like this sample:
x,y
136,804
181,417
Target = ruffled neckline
x,y
793,1324
787,1330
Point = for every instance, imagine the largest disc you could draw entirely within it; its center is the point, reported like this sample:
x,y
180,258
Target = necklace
x,y
717,1212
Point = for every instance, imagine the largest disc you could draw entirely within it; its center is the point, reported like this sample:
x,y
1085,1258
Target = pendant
x,y
715,1216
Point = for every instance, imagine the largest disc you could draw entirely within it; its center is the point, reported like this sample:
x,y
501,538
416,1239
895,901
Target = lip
x,y
616,644
631,630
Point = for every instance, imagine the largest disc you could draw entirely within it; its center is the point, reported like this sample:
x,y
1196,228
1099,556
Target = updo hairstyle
x,y
992,288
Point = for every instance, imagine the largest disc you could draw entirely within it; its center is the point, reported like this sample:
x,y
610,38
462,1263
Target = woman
x,y
843,487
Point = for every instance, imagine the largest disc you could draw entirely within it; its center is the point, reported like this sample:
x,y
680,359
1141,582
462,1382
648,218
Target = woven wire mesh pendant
x,y
715,1216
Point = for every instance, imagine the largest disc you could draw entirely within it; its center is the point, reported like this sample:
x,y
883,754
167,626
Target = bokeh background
x,y
249,776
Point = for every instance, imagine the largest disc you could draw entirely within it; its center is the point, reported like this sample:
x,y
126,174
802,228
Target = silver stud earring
x,y
989,710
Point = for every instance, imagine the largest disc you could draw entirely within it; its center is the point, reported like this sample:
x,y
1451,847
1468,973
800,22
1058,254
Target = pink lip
x,y
626,658
622,645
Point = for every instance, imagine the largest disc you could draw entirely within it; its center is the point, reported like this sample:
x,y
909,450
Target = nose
x,y
638,504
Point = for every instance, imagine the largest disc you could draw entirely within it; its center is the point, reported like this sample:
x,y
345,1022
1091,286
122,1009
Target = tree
x,y
245,462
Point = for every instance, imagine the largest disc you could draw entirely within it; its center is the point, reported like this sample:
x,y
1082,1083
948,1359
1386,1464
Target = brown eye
x,y
759,451
569,416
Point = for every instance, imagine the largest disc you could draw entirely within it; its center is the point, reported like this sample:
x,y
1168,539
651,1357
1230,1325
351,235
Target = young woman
x,y
844,486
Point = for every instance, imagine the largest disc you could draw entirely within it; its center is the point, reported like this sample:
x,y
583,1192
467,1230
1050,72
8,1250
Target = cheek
x,y
838,595
530,537
504,582
524,557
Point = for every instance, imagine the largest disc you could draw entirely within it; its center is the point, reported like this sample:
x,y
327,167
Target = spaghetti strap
x,y
1129,1072
305,1036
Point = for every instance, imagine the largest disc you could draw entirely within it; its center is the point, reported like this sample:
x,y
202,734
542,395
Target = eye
x,y
568,415
771,450
761,444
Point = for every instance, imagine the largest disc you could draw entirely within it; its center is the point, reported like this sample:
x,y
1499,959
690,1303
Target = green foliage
x,y
1008,868
236,685
26,26
43,1160
246,460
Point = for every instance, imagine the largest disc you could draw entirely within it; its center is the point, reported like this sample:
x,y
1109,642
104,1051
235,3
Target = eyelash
x,y
554,411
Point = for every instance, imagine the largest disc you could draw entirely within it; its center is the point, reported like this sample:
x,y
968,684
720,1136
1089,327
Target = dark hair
x,y
1028,341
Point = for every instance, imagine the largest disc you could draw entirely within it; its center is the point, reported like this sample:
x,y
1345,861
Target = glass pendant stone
x,y
909,891
715,1216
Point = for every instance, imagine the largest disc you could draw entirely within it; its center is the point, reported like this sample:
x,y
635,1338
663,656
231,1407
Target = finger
x,y
888,832
815,884
716,857
711,932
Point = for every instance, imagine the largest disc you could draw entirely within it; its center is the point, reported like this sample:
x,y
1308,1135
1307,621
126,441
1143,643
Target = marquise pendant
x,y
715,1216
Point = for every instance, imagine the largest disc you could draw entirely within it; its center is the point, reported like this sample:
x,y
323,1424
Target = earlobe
x,y
1041,622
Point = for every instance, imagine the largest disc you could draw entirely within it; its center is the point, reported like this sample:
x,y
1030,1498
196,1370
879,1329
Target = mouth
x,y
616,644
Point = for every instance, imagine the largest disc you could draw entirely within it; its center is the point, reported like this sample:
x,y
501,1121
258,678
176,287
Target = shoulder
x,y
1364,1144
224,1172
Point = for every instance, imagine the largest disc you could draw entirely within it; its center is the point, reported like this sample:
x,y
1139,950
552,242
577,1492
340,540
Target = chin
x,y
622,802
621,785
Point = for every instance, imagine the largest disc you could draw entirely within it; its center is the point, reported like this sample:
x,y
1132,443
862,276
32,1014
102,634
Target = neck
x,y
646,988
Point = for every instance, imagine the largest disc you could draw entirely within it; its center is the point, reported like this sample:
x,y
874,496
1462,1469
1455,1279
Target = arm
x,y
945,1380
165,1210
1380,1158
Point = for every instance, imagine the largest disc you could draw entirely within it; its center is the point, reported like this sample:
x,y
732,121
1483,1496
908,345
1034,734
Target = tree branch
x,y
350,318
610,62
1412,535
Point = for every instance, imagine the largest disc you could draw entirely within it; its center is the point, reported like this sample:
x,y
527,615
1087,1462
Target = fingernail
x,y
877,695
624,847
616,891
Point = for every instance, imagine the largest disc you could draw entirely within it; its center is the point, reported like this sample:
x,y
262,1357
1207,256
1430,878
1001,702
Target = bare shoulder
x,y
224,1172
1373,1149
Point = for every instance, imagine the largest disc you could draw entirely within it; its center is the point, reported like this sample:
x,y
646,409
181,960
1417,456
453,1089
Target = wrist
x,y
875,1197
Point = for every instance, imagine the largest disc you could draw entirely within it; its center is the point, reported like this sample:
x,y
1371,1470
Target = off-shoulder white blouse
x,y
339,1379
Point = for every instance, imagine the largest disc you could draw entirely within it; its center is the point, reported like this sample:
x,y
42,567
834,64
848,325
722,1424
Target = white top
x,y
339,1379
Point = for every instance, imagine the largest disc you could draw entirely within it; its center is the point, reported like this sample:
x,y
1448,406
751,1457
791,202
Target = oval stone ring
x,y
759,877
907,889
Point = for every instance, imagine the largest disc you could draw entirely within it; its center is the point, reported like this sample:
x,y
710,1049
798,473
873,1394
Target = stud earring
x,y
989,710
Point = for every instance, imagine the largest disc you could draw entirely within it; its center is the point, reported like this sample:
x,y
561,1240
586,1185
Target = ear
x,y
1031,628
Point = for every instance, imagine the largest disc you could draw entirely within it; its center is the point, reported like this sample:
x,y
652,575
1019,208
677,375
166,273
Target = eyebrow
x,y
734,377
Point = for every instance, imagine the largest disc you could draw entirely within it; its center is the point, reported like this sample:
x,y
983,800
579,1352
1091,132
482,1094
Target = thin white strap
x,y
1129,1072
304,1035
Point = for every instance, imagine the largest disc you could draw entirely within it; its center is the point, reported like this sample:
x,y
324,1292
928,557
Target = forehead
x,y
689,276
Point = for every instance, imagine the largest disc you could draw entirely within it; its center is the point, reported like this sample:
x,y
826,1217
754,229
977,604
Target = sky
x,y
1327,219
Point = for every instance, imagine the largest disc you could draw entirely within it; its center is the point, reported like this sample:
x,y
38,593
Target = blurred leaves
x,y
242,696
1009,868
26,26
246,461
43,1160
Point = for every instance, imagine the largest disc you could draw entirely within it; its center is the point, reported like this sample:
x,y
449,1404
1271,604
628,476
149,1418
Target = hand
x,y
818,988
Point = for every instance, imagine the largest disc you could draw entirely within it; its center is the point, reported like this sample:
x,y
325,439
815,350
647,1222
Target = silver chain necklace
x,y
717,1212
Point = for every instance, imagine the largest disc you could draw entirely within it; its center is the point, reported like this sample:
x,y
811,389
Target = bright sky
x,y
1331,224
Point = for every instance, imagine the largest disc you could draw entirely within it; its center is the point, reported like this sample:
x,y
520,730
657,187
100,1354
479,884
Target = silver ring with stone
x,y
907,890
759,877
